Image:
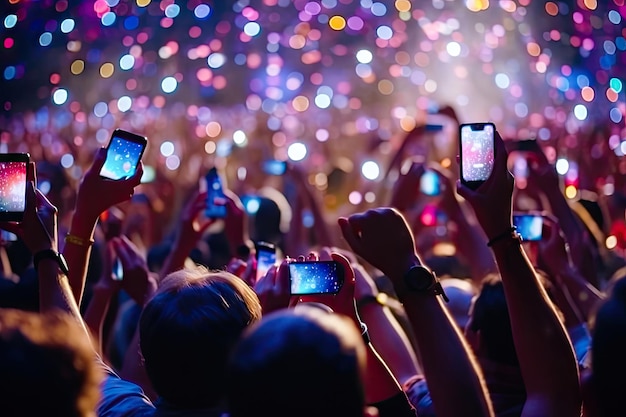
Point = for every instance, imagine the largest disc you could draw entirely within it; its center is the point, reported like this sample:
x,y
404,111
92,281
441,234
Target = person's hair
x,y
187,331
47,366
608,344
303,362
461,293
490,316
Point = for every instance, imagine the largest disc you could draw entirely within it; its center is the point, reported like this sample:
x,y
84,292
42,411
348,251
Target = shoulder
x,y
122,398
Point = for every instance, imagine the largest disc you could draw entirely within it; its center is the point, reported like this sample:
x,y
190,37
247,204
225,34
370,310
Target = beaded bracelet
x,y
510,233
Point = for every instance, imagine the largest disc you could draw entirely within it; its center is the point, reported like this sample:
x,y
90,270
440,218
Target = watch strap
x,y
51,254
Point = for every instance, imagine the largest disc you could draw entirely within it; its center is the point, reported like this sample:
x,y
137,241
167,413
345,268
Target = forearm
x,y
55,292
390,341
536,328
77,254
96,312
454,379
175,260
380,384
471,244
583,294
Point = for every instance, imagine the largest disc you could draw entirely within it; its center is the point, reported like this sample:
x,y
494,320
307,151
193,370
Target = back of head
x,y
490,317
187,332
47,366
305,363
460,292
608,347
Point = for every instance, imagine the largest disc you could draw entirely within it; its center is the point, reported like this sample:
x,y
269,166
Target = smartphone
x,y
118,270
124,152
216,199
477,150
275,167
265,258
529,226
430,183
13,167
315,277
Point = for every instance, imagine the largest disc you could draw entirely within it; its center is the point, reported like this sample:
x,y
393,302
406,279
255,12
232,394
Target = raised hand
x,y
96,194
138,282
273,288
383,238
492,201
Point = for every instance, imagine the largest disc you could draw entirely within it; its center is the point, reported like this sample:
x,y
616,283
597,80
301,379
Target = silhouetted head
x,y
304,362
187,331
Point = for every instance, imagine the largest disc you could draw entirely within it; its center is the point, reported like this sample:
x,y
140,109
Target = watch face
x,y
419,278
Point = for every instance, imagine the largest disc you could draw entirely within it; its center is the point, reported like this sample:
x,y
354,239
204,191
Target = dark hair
x,y
490,316
608,345
48,366
295,364
187,331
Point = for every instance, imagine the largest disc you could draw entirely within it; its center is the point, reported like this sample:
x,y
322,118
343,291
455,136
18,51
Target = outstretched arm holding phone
x,y
546,357
95,195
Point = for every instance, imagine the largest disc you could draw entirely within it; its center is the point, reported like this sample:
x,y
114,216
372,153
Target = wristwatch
x,y
421,279
54,255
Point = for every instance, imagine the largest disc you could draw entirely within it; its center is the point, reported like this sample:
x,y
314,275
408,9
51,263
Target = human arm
x,y
386,334
469,237
554,257
191,226
95,195
547,362
543,176
380,384
103,292
383,238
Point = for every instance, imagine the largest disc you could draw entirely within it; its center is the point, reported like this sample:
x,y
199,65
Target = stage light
x,y
59,96
370,170
297,151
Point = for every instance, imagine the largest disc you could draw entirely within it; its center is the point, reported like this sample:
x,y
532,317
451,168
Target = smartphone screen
x,y
265,258
477,153
315,277
430,184
275,167
216,200
13,169
123,155
529,226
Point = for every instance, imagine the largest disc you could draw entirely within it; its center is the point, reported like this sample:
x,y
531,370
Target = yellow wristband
x,y
78,241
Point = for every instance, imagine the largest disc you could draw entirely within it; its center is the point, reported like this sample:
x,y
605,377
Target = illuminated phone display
x,y
319,277
477,153
123,155
13,169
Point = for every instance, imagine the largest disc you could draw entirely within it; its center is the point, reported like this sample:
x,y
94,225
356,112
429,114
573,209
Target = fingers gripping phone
x,y
124,152
477,150
529,226
265,258
216,199
13,169
315,277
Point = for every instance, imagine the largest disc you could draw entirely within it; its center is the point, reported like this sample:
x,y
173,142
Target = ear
x,y
370,411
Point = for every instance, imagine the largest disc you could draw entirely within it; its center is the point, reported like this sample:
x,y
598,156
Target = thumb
x,y
464,191
100,158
